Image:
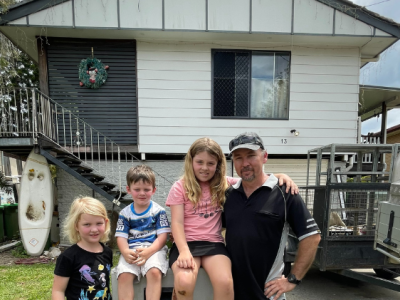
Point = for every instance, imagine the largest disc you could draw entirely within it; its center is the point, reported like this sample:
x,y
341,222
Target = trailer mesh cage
x,y
345,211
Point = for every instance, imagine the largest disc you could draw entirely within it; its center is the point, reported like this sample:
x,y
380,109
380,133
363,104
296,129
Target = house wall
x,y
70,188
283,16
174,98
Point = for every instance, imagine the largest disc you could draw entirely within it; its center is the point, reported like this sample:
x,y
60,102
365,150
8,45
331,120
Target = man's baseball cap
x,y
249,140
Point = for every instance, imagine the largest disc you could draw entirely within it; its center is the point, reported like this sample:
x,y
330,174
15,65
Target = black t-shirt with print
x,y
88,272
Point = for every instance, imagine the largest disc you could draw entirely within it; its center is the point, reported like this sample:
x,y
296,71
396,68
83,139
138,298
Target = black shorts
x,y
199,248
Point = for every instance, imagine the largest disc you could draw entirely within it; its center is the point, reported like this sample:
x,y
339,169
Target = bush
x,y
19,251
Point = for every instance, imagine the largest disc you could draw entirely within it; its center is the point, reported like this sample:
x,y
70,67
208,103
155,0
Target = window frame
x,y
213,51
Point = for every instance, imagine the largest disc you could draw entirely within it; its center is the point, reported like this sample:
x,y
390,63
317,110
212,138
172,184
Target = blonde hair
x,y
84,205
140,172
218,183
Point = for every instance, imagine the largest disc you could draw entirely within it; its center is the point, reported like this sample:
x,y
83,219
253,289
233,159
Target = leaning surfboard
x,y
35,207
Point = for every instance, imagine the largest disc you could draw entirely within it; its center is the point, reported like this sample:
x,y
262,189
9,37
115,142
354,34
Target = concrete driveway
x,y
319,285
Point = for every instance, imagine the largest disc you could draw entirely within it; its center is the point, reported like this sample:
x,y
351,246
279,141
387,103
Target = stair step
x,y
81,168
126,201
93,177
104,185
68,159
116,194
59,151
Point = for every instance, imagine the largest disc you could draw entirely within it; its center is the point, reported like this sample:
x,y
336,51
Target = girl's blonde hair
x,y
84,205
218,183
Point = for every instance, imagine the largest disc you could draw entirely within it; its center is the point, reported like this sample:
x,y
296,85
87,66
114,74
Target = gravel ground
x,y
6,258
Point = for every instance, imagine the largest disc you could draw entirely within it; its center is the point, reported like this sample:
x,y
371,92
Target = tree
x,y
16,68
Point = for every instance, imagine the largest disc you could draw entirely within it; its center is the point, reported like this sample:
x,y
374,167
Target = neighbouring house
x,y
184,69
392,137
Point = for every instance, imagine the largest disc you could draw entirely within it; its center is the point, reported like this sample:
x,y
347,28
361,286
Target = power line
x,y
377,3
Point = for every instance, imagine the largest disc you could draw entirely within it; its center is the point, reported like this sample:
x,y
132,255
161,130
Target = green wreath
x,y
92,73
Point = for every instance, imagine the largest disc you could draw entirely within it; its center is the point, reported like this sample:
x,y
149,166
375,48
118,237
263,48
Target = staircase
x,y
31,120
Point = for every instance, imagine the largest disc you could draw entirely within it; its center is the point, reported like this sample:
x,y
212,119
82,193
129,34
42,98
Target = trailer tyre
x,y
382,273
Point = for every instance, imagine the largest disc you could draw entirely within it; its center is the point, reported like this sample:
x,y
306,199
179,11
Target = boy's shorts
x,y
157,260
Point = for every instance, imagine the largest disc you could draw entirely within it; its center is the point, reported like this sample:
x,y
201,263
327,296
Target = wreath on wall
x,y
92,73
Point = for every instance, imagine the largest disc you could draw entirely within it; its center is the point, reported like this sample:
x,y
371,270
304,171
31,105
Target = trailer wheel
x,y
382,273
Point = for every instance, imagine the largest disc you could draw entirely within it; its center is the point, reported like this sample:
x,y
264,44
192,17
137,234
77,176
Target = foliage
x,y
16,68
101,73
53,171
3,184
364,179
19,251
5,4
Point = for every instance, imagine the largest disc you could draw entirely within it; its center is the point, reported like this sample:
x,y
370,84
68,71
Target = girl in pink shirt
x,y
196,202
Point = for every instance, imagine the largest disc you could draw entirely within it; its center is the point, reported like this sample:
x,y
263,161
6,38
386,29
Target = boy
x,y
141,233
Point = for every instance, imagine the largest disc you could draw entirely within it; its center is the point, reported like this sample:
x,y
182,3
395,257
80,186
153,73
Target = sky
x,y
385,72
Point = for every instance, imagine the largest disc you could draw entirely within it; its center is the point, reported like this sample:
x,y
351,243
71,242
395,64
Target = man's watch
x,y
292,279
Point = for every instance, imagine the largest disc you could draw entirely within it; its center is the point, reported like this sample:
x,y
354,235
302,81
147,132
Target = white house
x,y
184,69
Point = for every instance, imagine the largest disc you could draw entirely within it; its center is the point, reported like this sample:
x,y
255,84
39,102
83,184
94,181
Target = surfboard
x,y
35,207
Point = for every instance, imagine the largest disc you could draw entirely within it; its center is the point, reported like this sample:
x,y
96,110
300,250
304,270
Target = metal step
x,y
101,187
104,185
68,159
93,177
81,168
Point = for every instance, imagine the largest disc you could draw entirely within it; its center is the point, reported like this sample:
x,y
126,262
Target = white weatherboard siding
x,y
188,14
174,99
268,16
141,14
92,13
60,15
272,16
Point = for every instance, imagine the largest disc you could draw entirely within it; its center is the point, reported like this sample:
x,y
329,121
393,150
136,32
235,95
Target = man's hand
x,y
185,260
130,255
143,254
277,287
290,185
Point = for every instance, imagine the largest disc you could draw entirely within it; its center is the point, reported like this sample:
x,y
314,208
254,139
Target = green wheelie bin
x,y
1,223
11,228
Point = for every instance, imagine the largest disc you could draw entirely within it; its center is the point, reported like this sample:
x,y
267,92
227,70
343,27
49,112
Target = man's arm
x,y
304,259
305,255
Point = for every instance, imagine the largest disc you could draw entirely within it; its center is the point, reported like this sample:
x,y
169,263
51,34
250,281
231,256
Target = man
x,y
257,216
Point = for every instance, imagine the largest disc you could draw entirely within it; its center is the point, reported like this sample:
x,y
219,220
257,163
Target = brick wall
x,y
69,187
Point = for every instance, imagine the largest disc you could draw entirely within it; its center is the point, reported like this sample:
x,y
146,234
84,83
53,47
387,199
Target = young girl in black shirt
x,y
83,270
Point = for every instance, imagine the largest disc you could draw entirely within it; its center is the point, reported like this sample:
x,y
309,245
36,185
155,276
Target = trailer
x,y
344,201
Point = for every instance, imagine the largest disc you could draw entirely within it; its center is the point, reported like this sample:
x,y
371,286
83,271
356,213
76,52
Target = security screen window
x,y
251,84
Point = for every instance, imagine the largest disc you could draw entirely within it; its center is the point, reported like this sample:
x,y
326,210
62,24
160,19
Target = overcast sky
x,y
386,72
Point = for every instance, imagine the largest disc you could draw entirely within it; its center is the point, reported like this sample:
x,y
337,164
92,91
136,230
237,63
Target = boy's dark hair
x,y
141,172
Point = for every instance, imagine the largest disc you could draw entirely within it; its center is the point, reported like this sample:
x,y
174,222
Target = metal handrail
x,y
29,112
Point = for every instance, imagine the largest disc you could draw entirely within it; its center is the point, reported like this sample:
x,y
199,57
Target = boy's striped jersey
x,y
142,228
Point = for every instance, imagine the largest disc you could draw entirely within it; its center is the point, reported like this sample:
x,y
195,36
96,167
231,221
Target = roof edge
x,y
24,9
365,15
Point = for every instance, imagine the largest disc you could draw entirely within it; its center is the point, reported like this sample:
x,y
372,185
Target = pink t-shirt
x,y
201,223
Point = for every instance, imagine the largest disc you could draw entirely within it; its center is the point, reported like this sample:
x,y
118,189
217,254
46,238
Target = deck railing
x,y
30,113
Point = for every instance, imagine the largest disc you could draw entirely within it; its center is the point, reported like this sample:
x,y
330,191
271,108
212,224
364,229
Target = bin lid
x,y
7,205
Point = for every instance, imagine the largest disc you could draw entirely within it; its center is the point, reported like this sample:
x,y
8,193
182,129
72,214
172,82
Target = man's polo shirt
x,y
256,234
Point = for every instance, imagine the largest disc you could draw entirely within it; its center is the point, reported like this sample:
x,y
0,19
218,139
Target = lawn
x,y
28,282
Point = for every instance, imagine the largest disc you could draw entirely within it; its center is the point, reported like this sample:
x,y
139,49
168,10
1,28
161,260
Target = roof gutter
x,y
372,59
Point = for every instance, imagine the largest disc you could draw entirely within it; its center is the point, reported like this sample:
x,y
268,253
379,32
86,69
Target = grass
x,y
29,282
